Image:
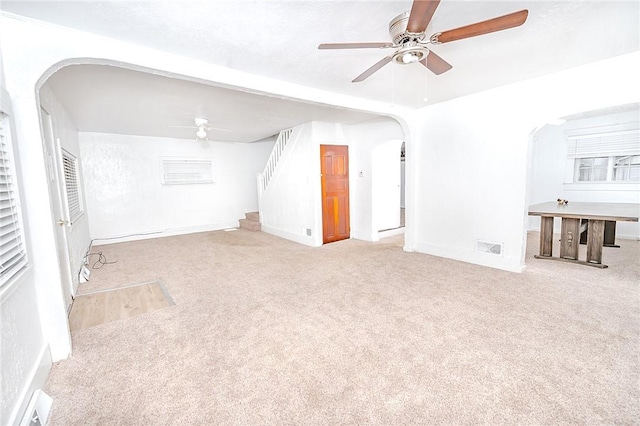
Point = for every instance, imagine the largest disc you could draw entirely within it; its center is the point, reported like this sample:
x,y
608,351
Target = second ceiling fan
x,y
408,37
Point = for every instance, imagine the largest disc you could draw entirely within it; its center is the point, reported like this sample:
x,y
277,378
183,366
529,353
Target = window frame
x,y
181,165
9,147
611,142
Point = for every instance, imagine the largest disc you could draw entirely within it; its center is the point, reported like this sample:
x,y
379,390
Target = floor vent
x,y
488,247
38,409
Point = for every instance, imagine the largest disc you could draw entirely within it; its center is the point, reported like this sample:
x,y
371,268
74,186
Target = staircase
x,y
251,222
276,153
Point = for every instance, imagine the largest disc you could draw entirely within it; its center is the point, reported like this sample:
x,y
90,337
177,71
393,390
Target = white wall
x,y
289,204
125,194
3,83
25,359
550,179
370,189
472,157
292,202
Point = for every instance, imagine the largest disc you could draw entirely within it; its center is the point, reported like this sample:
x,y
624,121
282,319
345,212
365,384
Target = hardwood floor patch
x,y
104,306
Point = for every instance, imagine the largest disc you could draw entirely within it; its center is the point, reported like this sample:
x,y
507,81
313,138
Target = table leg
x,y
546,236
584,225
570,238
610,233
595,241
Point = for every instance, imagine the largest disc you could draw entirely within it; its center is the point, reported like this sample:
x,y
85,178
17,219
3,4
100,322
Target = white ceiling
x,y
279,39
110,99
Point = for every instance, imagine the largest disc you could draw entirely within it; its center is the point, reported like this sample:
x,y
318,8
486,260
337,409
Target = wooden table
x,y
601,229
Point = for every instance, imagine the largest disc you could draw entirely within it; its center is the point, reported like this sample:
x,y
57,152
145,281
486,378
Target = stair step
x,y
253,216
250,225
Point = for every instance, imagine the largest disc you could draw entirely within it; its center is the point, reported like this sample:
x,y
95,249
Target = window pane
x,y
621,173
600,162
584,175
599,174
627,168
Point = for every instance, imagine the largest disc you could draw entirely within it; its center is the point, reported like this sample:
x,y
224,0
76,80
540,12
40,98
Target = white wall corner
x,y
364,235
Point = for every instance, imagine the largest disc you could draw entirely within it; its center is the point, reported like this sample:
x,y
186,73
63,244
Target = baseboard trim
x,y
146,235
300,239
391,232
364,235
37,380
482,259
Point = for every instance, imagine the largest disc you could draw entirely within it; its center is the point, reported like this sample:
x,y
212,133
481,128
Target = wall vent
x,y
489,247
38,409
71,185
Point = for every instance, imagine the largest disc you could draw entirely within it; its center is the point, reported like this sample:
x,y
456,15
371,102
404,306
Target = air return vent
x,y
489,247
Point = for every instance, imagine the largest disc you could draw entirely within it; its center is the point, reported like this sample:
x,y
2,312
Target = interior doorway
x,y
334,169
402,184
387,188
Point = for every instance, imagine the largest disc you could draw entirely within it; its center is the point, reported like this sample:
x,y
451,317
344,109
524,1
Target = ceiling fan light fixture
x,y
201,133
409,57
410,54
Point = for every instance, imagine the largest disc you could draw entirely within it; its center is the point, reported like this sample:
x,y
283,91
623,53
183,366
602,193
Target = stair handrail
x,y
281,142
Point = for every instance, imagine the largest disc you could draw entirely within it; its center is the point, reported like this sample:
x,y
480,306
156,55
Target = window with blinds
x,y
12,252
71,185
605,156
186,171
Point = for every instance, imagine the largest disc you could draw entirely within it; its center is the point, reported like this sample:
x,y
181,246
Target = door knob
x,y
61,222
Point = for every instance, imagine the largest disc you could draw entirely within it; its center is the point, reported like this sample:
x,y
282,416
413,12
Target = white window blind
x,y
186,171
71,184
609,144
12,252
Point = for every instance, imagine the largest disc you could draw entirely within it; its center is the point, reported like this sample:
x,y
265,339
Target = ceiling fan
x,y
202,126
408,37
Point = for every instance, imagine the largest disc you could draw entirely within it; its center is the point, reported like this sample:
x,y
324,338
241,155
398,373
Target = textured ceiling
x,y
279,39
109,99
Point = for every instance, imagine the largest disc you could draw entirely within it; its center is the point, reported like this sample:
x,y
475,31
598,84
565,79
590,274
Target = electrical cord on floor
x,y
102,260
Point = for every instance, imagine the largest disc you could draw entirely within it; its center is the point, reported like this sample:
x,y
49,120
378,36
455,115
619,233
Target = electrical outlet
x,y
308,232
85,272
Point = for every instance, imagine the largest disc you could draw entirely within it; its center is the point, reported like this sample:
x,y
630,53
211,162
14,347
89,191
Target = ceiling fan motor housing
x,y
411,50
399,33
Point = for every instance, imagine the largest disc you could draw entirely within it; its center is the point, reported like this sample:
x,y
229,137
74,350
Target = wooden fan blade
x,y
421,13
354,45
479,28
373,69
435,63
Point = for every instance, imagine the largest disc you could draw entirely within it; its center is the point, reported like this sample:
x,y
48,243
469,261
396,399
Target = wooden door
x,y
335,192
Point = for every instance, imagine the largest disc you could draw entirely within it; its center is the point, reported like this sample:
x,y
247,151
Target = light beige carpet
x,y
266,331
104,306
